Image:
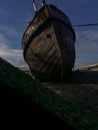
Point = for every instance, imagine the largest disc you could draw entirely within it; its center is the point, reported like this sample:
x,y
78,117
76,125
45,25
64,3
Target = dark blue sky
x,y
14,14
79,11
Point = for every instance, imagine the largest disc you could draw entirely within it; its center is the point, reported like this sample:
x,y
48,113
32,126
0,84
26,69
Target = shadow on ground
x,y
83,77
79,77
17,111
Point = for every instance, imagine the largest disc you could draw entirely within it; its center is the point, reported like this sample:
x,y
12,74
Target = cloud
x,y
86,46
10,31
29,16
11,36
87,42
92,35
5,51
13,56
3,38
8,51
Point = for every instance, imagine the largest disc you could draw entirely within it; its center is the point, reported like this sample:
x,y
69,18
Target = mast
x,y
43,3
34,6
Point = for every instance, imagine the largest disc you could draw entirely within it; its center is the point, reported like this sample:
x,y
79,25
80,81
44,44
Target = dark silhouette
x,y
18,111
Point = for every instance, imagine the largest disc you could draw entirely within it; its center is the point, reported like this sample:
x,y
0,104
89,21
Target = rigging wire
x,y
84,25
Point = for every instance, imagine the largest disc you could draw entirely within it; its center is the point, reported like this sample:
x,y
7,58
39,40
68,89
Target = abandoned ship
x,y
49,44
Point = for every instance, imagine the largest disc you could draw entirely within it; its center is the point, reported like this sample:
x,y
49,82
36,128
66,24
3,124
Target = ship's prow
x,y
49,44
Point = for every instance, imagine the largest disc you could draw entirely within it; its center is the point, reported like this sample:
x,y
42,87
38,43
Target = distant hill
x,y
93,67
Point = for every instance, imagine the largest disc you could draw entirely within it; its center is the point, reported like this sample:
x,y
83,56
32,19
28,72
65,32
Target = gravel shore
x,y
81,88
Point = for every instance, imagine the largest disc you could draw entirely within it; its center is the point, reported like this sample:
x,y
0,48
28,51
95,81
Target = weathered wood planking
x,y
49,44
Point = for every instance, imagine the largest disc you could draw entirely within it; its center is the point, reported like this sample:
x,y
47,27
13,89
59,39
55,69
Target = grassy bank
x,y
68,111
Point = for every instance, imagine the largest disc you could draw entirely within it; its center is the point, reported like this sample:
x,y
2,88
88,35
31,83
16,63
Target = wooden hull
x,y
49,49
